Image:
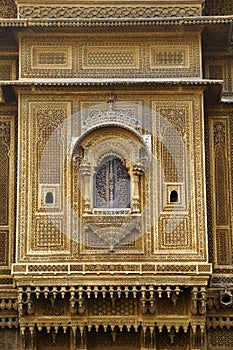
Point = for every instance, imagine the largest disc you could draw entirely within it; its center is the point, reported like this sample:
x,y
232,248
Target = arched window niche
x,y
110,171
49,198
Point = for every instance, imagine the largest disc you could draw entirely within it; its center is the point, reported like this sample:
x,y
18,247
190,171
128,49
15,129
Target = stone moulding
x,y
111,22
25,269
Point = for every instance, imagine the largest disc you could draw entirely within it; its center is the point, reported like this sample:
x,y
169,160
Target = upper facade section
x,y
84,56
108,9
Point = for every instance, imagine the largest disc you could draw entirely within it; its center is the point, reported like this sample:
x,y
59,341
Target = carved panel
x,y
101,57
165,56
7,69
220,68
79,56
48,234
118,232
179,126
176,232
123,113
8,9
108,11
215,7
219,165
55,57
108,307
9,339
5,171
4,247
6,191
220,339
46,222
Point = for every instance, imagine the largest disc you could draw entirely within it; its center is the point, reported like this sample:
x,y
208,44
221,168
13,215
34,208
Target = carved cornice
x,y
123,274
113,22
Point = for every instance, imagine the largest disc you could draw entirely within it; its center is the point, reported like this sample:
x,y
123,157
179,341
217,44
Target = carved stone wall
x,y
7,69
220,68
6,192
113,11
64,153
8,9
219,142
80,57
215,7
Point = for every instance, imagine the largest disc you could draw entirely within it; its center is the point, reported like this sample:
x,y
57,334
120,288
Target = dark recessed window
x,y
49,198
173,197
112,185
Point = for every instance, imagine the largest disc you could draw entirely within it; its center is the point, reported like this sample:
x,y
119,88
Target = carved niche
x,y
109,172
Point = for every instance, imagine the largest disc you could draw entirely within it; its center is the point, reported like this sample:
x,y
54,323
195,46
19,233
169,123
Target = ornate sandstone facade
x,y
116,129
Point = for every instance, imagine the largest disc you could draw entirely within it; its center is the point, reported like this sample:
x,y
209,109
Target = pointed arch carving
x,y
110,168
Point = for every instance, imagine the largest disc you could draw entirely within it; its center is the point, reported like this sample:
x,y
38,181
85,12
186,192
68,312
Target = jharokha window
x,y
112,185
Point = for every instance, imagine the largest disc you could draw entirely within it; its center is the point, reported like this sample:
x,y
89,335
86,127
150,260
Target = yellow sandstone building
x,y
116,154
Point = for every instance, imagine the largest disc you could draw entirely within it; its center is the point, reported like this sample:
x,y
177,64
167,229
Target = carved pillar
x,y
83,339
32,331
22,338
137,172
194,301
85,171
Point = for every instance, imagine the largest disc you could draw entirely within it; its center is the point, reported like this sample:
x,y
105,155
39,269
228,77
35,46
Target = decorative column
x,y
85,171
137,172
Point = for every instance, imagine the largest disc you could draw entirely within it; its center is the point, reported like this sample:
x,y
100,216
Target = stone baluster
x,y
85,171
137,172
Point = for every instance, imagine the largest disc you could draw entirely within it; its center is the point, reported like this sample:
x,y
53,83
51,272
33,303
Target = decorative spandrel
x,y
112,185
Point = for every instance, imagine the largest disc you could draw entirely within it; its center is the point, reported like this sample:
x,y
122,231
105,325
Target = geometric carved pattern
x,y
164,56
48,234
9,339
4,247
172,154
4,181
216,7
46,149
221,188
6,192
175,232
8,9
221,200
57,57
223,244
107,11
110,57
120,307
220,339
7,69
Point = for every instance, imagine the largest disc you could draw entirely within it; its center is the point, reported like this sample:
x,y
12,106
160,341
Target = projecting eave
x,y
110,81
115,22
227,99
